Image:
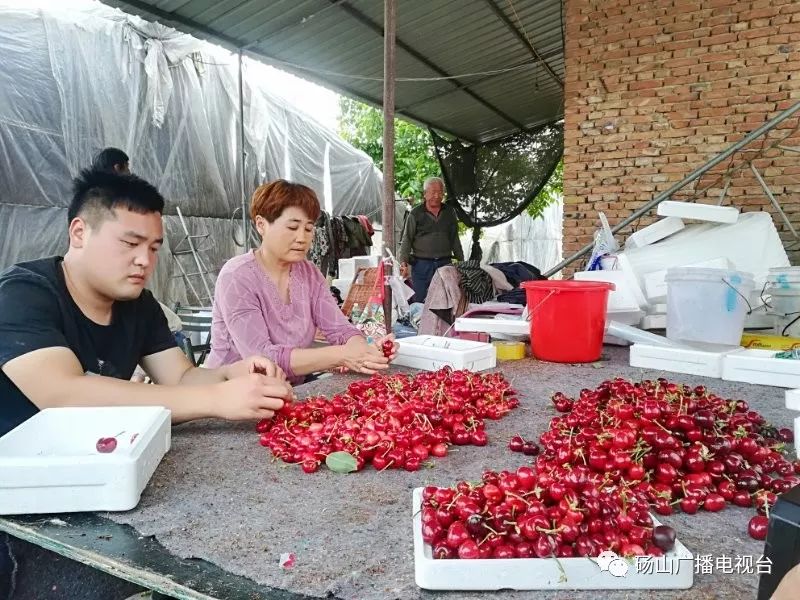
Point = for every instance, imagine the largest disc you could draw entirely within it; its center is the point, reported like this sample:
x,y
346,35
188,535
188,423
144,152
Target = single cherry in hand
x,y
387,348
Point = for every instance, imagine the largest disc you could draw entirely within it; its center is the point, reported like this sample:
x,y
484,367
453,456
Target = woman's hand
x,y
255,364
361,357
395,346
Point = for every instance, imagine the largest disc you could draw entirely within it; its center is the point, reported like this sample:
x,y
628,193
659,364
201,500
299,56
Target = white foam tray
x,y
698,212
762,368
677,360
49,464
544,573
656,232
793,400
431,353
519,327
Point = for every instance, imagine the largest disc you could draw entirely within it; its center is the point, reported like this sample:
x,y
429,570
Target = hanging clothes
x,y
358,240
364,220
444,303
341,247
321,248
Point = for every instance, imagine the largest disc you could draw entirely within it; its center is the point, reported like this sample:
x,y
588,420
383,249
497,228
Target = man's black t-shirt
x,y
37,311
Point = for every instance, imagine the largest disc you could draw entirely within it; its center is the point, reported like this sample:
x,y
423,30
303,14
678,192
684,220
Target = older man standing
x,y
430,237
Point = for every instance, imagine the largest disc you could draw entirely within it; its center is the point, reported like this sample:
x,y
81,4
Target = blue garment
x,y
422,272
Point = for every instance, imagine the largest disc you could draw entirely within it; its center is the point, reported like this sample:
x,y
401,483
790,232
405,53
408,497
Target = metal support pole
x,y
389,40
772,199
242,160
696,174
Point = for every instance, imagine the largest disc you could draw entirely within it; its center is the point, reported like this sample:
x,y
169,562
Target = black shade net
x,y
489,184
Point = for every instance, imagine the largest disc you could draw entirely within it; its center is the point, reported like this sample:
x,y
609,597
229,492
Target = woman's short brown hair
x,y
271,199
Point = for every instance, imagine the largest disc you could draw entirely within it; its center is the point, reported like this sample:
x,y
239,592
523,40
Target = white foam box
x,y
793,399
343,285
674,571
698,212
752,244
431,353
656,232
50,463
624,297
655,286
654,322
762,368
488,325
678,360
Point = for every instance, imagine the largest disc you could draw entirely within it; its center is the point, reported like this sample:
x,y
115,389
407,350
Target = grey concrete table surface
x,y
221,498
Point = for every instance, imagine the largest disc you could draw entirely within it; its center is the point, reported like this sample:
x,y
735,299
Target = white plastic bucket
x,y
783,286
707,306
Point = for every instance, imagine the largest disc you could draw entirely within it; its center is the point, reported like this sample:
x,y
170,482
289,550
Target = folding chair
x,y
195,319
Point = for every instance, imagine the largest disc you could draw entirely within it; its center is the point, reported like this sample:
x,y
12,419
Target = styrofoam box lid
x,y
507,326
759,366
699,212
654,232
544,573
69,435
624,265
678,360
428,346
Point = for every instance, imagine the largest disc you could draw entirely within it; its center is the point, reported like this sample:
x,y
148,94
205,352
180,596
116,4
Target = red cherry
x,y
757,527
105,445
468,550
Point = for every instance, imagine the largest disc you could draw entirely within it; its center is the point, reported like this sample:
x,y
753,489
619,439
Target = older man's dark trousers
x,y
422,271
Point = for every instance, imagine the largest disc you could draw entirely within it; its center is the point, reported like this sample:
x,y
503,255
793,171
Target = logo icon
x,y
611,562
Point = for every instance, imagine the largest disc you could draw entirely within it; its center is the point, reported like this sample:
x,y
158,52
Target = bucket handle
x,y
792,322
535,308
761,295
738,293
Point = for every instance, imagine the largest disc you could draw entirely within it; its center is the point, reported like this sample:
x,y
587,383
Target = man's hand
x,y
254,364
251,396
361,357
404,270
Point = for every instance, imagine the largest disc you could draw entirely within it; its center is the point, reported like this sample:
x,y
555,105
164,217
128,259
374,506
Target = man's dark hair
x,y
107,158
97,192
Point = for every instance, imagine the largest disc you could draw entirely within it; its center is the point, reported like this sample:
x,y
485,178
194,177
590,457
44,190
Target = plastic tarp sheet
x,y
83,76
535,241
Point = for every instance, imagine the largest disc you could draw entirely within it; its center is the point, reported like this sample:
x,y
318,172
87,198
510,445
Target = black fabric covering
x,y
476,282
491,183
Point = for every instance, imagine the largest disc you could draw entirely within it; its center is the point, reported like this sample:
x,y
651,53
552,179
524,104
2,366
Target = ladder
x,y
187,246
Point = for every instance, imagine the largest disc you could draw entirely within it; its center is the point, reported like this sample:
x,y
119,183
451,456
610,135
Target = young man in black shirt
x,y
72,330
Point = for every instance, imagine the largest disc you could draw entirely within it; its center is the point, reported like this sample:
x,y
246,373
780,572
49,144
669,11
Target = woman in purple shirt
x,y
271,301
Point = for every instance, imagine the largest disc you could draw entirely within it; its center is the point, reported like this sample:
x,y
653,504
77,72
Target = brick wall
x,y
656,88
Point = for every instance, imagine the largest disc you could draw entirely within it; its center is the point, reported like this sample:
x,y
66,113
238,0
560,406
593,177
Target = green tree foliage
x,y
414,159
362,126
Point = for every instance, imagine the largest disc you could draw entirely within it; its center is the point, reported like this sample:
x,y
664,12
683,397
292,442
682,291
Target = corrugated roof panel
x,y
454,36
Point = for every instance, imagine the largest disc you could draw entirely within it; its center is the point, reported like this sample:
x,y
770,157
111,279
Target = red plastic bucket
x,y
568,319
